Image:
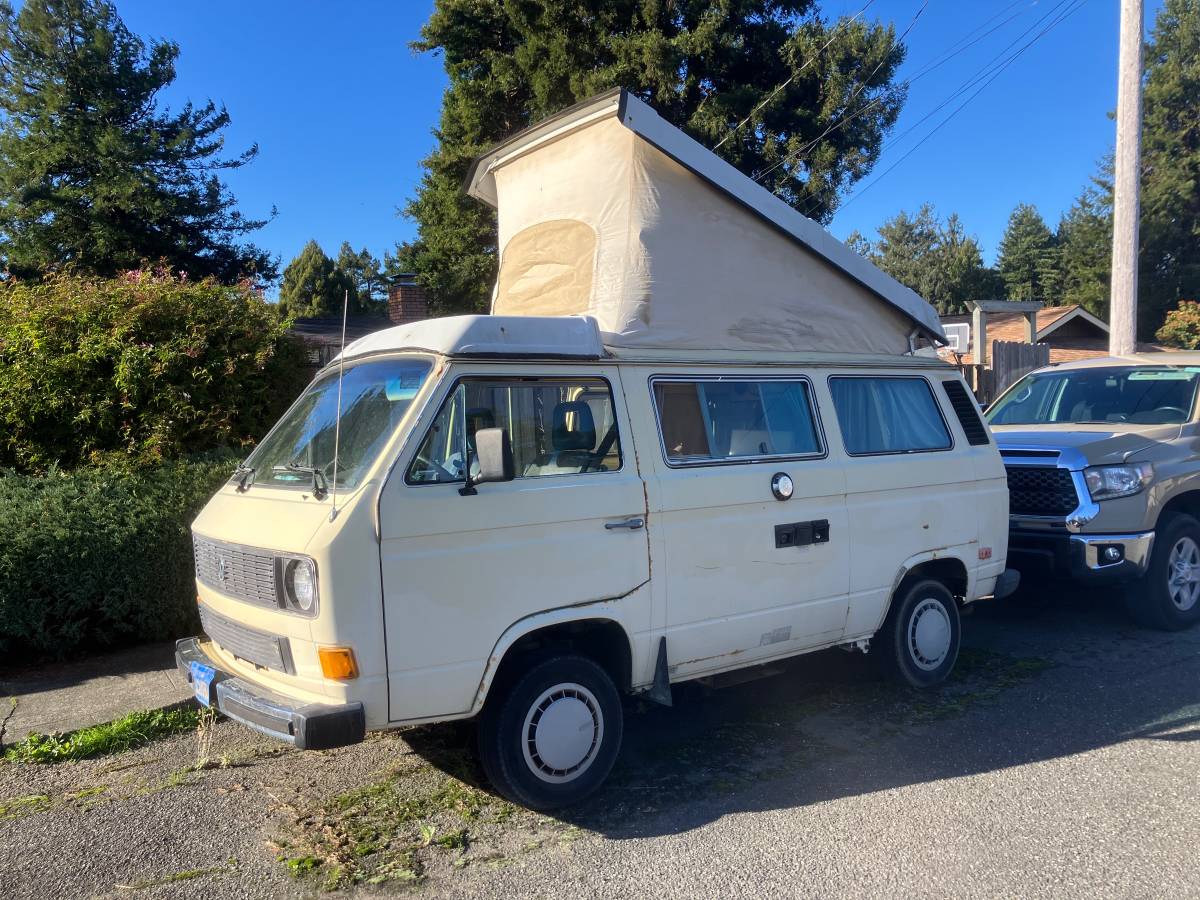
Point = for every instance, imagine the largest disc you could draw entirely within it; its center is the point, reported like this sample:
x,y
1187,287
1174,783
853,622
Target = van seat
x,y
572,437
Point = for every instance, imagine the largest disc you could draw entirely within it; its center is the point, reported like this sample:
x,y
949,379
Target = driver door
x,y
458,570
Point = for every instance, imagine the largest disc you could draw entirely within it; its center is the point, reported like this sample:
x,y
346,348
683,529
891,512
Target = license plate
x,y
202,677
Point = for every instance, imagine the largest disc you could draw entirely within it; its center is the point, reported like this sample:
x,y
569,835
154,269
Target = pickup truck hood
x,y
1100,444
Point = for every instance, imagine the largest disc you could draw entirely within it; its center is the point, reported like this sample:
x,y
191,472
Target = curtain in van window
x,y
888,415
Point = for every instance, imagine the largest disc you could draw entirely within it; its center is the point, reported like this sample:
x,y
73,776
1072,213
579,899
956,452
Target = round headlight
x,y
300,582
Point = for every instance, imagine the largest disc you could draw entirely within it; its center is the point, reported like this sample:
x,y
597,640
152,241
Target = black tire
x,y
508,748
1153,601
913,649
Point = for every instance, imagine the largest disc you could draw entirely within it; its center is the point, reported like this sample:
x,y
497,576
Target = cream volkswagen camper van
x,y
692,437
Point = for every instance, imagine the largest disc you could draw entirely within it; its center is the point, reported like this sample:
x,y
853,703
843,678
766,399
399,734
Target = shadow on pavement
x,y
1072,677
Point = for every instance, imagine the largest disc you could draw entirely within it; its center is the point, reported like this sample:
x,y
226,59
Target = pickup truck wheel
x,y
1167,597
553,737
919,640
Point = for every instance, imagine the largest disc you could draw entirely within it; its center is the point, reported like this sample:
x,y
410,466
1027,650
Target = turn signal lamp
x,y
338,663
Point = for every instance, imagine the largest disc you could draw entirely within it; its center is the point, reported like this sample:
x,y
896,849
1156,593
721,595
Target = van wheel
x,y
1167,597
920,636
551,739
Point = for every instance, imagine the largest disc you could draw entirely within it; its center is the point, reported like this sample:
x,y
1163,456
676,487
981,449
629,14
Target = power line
x,y
1078,4
953,51
861,87
842,24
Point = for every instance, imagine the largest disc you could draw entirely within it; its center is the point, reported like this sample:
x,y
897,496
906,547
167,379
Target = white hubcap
x,y
929,634
1183,573
563,730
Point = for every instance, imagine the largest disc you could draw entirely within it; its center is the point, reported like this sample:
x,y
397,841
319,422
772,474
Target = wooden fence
x,y
1013,359
1009,361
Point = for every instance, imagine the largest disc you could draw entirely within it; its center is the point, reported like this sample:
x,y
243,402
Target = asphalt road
x,y
1061,761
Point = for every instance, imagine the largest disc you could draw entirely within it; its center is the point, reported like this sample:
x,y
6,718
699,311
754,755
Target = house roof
x,y
630,112
1050,319
328,329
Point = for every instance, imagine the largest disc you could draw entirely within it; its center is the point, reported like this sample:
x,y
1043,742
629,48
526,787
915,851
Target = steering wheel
x,y
430,466
1173,409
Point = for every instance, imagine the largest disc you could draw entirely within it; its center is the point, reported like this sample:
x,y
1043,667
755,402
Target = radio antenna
x,y
337,424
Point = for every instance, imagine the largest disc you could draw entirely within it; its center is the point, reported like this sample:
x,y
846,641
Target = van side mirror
x,y
493,455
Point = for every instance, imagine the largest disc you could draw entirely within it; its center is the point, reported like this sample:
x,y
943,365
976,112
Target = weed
x,y
299,866
133,730
204,728
455,840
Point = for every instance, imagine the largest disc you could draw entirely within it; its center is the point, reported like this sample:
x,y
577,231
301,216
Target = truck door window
x,y
708,420
888,415
556,427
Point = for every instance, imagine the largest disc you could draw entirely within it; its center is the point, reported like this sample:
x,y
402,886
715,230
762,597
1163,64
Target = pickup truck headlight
x,y
297,580
1108,482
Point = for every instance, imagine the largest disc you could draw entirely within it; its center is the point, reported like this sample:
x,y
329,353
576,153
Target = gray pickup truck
x,y
1103,461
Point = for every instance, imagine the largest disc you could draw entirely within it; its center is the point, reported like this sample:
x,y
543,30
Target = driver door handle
x,y
633,524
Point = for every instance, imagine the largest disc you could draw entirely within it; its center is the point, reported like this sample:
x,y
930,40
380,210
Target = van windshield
x,y
375,396
1136,395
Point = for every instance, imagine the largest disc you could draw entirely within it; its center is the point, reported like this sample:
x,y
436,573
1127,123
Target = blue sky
x,y
342,110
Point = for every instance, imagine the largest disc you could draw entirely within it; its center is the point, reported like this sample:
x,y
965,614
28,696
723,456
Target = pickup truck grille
x,y
1040,491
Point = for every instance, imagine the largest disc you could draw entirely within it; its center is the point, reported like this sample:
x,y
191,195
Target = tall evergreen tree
x,y
1084,240
937,260
365,273
93,175
1028,259
704,64
1169,261
314,285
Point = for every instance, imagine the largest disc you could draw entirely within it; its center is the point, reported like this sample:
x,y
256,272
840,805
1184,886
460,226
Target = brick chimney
x,y
406,300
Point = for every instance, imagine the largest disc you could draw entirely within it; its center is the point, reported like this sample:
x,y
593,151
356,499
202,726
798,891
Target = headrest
x,y
582,436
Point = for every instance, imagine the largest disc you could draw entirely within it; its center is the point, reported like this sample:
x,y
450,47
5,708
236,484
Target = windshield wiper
x,y
319,486
244,475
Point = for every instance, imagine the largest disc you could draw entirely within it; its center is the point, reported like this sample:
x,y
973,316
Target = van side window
x,y
888,415
556,426
732,419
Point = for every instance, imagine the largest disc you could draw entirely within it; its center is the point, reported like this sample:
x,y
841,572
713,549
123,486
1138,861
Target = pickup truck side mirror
x,y
493,455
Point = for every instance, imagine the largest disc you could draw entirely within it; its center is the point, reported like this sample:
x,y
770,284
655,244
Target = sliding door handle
x,y
632,524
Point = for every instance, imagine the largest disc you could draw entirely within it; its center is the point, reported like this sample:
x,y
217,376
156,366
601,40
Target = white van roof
x,y
606,209
540,337
579,338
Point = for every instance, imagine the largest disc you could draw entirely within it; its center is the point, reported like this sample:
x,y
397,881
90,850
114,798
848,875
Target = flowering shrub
x,y
148,366
1182,326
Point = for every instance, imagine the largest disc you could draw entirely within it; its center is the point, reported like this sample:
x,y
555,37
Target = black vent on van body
x,y
968,415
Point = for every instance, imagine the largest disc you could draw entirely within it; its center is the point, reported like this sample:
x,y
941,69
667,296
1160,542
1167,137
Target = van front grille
x,y
259,647
241,572
1040,491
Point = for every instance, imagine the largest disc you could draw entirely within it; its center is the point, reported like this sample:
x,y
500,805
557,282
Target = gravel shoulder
x,y
1060,761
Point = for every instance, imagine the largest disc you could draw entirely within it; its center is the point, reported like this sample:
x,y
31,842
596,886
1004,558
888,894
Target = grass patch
x,y
133,730
411,823
175,877
19,807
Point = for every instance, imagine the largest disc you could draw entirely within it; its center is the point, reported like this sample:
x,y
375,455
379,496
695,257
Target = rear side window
x,y
888,415
967,412
556,426
735,419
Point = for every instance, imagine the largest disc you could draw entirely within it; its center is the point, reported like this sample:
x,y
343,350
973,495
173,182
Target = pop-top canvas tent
x,y
606,210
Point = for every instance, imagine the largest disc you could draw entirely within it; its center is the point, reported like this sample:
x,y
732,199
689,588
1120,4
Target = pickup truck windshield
x,y
1142,395
375,397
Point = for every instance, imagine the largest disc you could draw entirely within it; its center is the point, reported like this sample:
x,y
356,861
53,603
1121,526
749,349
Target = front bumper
x,y
1080,557
310,726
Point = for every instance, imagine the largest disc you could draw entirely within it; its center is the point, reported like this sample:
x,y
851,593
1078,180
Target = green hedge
x,y
100,556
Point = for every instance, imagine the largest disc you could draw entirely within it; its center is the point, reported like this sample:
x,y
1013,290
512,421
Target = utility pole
x,y
1122,337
